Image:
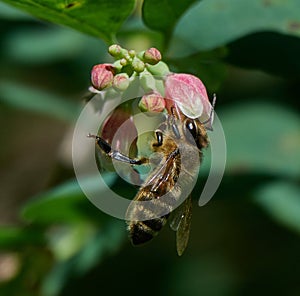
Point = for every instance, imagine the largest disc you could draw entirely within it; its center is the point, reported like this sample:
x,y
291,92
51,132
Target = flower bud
x,y
115,50
121,81
102,76
152,102
118,52
123,62
188,93
160,69
132,53
138,65
152,56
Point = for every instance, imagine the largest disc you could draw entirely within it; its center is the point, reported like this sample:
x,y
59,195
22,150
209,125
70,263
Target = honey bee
x,y
177,140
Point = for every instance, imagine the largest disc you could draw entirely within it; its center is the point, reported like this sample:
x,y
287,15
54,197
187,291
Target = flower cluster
x,y
163,89
128,64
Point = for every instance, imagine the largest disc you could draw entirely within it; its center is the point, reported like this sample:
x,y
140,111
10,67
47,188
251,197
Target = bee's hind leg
x,y
114,154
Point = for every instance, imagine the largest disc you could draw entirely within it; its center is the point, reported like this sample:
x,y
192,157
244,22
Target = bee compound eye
x,y
191,128
159,138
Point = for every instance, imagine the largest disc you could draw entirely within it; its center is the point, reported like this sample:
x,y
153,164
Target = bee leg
x,y
114,154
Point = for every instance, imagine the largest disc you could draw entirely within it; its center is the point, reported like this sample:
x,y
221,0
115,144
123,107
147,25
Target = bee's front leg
x,y
114,154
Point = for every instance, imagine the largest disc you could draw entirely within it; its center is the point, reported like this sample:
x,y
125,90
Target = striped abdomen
x,y
147,218
143,231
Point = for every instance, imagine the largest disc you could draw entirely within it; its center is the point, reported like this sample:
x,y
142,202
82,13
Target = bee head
x,y
195,133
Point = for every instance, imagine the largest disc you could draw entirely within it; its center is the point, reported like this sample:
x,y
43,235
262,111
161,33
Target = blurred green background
x,y
245,241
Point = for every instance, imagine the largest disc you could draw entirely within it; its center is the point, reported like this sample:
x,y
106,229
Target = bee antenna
x,y
213,103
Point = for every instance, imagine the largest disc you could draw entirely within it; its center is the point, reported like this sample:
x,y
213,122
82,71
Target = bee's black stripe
x,y
156,224
140,234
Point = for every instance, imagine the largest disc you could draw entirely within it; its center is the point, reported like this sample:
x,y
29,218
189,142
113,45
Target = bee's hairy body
x,y
175,151
179,143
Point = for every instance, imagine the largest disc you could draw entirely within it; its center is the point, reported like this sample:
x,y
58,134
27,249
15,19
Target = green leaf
x,y
16,237
66,240
104,242
163,15
257,51
262,138
210,273
39,45
101,18
11,13
36,45
25,97
282,201
65,203
209,24
206,65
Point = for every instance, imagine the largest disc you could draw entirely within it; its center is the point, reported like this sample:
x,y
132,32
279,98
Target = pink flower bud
x,y
152,56
121,81
152,102
102,76
188,93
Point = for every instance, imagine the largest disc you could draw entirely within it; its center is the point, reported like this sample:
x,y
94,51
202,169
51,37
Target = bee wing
x,y
164,173
181,223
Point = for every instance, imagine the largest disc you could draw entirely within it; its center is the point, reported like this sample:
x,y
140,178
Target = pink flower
x,y
188,93
152,102
102,76
119,129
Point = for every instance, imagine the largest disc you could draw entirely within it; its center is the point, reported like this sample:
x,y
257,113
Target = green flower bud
x,y
128,57
131,53
138,65
123,62
160,69
115,50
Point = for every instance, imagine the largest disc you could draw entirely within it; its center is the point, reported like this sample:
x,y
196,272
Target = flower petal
x,y
189,93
